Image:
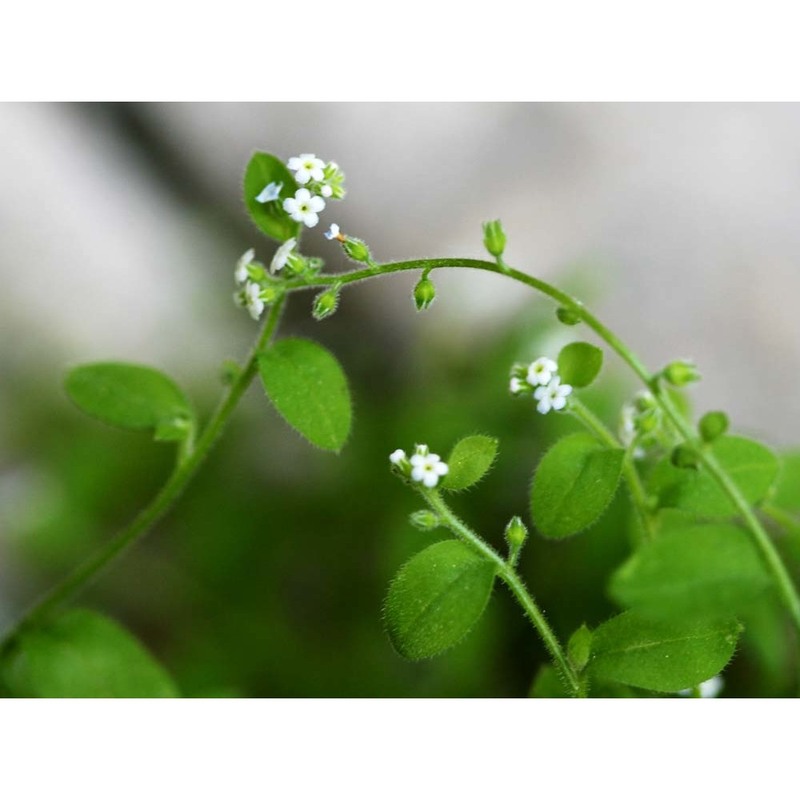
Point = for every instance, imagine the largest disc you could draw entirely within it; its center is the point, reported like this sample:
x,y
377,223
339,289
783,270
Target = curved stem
x,y
163,501
509,576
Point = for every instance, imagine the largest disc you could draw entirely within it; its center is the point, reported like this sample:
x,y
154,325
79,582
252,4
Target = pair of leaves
x,y
574,483
82,654
752,467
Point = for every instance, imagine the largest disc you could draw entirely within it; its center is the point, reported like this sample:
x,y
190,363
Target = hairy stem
x,y
180,477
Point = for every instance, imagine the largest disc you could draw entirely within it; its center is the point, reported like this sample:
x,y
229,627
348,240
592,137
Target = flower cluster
x,y
423,467
256,291
640,422
540,379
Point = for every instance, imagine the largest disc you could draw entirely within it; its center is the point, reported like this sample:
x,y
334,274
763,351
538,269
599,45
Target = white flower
x,y
427,468
307,167
269,193
398,456
515,386
554,396
282,255
326,190
304,207
242,264
253,301
708,689
627,428
332,232
541,371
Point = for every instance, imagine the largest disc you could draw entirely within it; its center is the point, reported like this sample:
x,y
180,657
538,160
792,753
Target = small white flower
x,y
253,301
627,428
708,689
282,255
242,264
304,207
269,193
332,232
553,396
326,190
397,456
307,167
541,371
427,468
515,386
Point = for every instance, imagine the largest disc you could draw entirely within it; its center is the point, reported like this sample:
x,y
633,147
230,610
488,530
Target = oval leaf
x,y
469,461
83,654
309,389
579,363
130,396
661,656
270,217
573,485
752,466
700,571
436,598
787,487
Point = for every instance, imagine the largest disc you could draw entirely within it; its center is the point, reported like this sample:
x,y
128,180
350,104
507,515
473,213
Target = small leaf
x,y
579,363
131,396
579,647
661,656
548,683
309,389
752,466
436,598
270,217
82,654
469,461
573,485
698,571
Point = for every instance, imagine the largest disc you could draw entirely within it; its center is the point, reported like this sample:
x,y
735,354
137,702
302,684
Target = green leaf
x,y
787,487
579,363
573,485
752,466
700,571
548,683
661,656
270,218
579,647
131,396
469,461
82,654
436,598
309,389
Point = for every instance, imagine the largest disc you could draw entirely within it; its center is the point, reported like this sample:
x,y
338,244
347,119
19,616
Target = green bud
x,y
684,456
424,293
647,421
713,425
425,520
269,294
494,238
579,647
644,401
567,316
516,533
681,373
356,250
325,303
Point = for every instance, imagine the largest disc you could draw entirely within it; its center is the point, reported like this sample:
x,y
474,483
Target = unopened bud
x,y
494,238
424,293
567,316
516,533
579,647
684,456
425,520
356,250
681,373
713,425
325,303
647,421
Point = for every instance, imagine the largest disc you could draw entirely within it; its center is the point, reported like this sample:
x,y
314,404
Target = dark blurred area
x,y
267,579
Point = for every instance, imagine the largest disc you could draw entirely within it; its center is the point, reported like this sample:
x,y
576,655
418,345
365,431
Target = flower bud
x,y
681,373
647,421
494,238
684,456
424,293
516,533
644,401
713,425
325,303
567,316
579,647
356,250
425,520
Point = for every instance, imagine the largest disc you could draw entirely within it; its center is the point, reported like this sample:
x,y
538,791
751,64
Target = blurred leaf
x,y
698,571
579,363
309,389
661,656
436,598
469,461
573,485
548,683
270,217
83,654
131,396
752,467
787,488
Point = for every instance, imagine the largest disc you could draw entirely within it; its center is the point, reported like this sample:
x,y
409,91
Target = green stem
x,y
182,474
629,472
509,576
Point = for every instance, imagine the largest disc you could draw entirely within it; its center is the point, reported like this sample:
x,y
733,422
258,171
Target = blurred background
x,y
120,226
